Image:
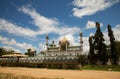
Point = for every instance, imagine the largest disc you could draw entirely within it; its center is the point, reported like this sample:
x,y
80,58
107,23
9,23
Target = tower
x,y
81,41
47,38
97,25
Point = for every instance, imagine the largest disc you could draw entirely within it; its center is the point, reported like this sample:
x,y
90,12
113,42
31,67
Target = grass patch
x,y
12,76
105,67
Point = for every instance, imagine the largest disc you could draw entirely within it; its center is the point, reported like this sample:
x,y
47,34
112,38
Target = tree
x,y
2,51
114,55
91,55
117,43
99,45
10,51
81,59
30,52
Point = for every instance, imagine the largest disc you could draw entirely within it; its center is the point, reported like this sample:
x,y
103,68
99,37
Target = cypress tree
x,y
100,45
114,56
91,55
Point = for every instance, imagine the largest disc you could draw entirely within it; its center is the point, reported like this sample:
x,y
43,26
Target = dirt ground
x,y
66,74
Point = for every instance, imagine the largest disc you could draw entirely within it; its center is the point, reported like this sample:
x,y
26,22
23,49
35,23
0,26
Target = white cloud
x,y
116,32
24,45
11,48
91,24
90,7
15,29
47,25
3,39
91,34
7,41
44,25
13,42
65,30
42,46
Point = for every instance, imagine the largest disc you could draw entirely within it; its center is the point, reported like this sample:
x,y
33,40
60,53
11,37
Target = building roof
x,y
14,55
64,40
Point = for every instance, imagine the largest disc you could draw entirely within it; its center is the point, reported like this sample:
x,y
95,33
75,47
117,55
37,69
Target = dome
x,y
32,50
64,41
64,44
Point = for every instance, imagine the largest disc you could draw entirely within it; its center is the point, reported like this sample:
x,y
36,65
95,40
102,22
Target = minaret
x,y
47,38
81,41
59,46
53,43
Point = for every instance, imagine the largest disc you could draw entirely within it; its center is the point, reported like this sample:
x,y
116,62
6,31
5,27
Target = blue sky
x,y
24,23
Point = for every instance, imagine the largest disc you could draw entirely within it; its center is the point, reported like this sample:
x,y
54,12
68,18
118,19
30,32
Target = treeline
x,y
99,52
4,51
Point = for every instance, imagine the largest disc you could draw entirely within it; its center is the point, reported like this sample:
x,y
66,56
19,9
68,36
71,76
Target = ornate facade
x,y
64,47
62,56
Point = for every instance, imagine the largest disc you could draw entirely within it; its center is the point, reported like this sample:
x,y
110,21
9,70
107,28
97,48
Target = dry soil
x,y
66,74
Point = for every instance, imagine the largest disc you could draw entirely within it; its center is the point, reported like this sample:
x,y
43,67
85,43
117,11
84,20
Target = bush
x,y
82,59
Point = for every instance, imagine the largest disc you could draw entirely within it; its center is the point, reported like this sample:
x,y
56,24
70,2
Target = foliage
x,y
114,55
104,67
91,55
30,52
97,44
97,47
4,51
82,59
117,43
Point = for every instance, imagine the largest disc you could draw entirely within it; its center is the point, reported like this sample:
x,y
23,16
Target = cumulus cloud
x,y
13,42
42,46
24,45
116,31
15,29
91,24
91,34
7,41
11,48
90,7
45,24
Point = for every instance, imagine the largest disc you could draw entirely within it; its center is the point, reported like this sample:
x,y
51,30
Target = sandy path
x,y
66,74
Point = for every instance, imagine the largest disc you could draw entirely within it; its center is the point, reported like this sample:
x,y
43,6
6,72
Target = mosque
x,y
62,56
64,47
